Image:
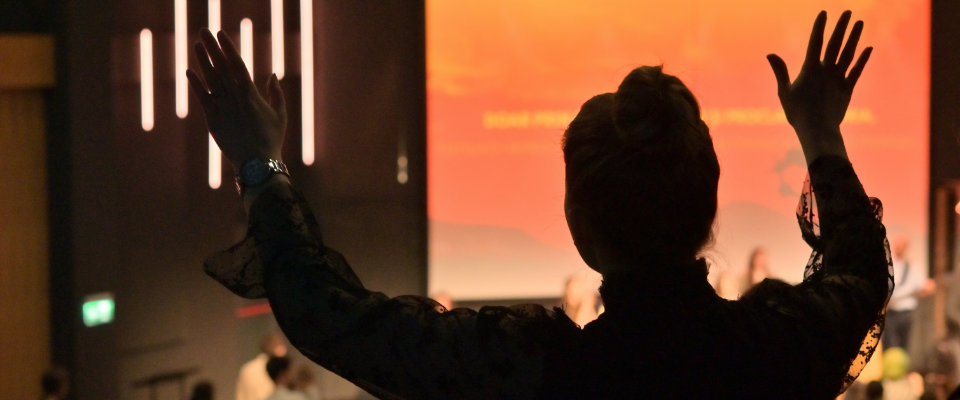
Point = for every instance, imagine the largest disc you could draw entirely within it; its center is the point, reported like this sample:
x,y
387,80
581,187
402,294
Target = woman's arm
x,y
836,314
851,237
404,347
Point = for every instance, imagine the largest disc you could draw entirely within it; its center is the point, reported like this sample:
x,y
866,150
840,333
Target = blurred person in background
x,y
305,381
758,269
55,383
202,390
910,283
253,383
580,299
281,373
874,390
942,372
734,283
899,381
443,298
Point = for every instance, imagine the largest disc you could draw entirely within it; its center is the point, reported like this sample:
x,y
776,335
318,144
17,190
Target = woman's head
x,y
641,174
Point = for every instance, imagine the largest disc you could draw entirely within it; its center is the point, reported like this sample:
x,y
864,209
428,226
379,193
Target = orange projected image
x,y
505,78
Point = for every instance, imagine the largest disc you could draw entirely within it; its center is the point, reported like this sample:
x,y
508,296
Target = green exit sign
x,y
98,309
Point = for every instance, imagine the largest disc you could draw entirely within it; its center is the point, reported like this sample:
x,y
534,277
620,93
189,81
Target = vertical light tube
x,y
306,80
276,36
180,56
213,16
214,165
146,79
246,44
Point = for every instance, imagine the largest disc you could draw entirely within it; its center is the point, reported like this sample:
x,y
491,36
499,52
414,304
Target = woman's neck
x,y
655,283
614,263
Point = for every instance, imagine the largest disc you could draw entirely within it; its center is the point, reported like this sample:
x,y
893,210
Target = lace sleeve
x,y
835,316
406,347
850,249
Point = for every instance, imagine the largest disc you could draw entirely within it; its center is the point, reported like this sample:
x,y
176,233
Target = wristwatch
x,y
256,172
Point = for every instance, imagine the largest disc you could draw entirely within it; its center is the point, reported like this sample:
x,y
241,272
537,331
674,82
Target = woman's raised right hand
x,y
816,102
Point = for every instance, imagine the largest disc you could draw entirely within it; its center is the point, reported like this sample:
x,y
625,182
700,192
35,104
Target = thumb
x,y
780,72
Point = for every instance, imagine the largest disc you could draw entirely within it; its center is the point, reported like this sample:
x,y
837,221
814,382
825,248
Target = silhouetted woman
x,y
641,197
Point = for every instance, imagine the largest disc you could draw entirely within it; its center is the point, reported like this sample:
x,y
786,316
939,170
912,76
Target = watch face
x,y
254,172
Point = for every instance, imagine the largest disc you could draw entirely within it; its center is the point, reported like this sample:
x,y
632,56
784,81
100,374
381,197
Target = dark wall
x,y
134,215
83,193
944,105
27,16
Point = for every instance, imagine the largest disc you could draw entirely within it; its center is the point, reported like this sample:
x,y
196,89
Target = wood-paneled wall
x,y
26,69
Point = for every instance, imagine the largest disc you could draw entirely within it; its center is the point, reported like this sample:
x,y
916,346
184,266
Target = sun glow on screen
x,y
505,78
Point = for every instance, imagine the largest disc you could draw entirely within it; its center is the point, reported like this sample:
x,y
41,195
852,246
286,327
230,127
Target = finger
x,y
210,75
858,67
277,101
851,47
206,101
220,63
196,84
816,39
836,39
267,89
198,89
780,72
238,69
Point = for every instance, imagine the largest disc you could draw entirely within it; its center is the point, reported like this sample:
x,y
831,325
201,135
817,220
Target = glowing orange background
x,y
505,77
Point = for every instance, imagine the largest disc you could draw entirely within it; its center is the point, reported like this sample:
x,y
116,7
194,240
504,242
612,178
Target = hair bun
x,y
646,108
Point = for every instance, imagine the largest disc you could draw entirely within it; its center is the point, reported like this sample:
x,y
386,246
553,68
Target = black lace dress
x,y
665,332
